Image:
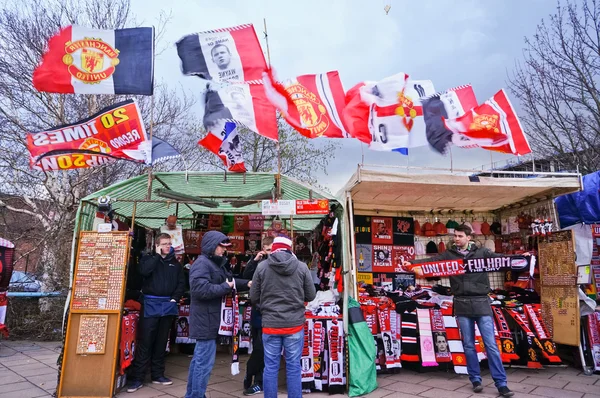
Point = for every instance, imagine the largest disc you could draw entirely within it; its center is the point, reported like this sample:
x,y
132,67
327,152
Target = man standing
x,y
210,280
162,287
256,363
280,286
471,306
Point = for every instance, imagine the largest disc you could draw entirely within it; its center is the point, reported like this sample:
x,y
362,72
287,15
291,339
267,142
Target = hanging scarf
x,y
395,323
426,338
308,370
410,348
594,337
507,344
3,306
246,341
318,352
335,342
459,360
127,347
235,341
439,331
370,313
384,311
521,319
226,325
546,344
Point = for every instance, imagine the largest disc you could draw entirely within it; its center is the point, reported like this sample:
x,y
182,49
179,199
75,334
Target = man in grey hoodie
x,y
281,285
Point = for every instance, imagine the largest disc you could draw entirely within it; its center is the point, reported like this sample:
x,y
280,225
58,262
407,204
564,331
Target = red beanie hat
x,y
281,243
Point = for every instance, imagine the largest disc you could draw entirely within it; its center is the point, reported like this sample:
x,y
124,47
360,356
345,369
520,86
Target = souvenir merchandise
x,y
426,338
593,331
175,231
129,324
183,325
440,339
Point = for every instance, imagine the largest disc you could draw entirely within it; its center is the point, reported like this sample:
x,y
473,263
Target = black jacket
x,y
470,290
208,284
162,276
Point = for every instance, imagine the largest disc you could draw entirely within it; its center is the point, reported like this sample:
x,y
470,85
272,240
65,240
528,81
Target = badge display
x,y
92,334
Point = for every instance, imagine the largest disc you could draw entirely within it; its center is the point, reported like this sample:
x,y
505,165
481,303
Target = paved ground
x,y
28,369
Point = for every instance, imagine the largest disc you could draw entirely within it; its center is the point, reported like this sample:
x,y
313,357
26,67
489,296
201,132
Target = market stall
x,y
117,224
397,216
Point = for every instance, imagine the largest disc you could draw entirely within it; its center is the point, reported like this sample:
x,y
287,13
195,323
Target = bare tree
x,y
558,85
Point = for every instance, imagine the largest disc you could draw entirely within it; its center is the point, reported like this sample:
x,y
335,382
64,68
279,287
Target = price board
x,y
92,334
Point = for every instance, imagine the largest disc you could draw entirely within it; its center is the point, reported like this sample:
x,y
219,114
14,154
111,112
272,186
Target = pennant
x,y
229,54
227,146
449,104
311,104
388,114
81,60
116,132
494,126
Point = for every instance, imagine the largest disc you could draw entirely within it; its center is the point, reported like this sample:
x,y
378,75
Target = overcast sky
x,y
451,42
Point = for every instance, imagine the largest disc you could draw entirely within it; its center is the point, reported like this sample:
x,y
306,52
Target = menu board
x,y
92,334
100,271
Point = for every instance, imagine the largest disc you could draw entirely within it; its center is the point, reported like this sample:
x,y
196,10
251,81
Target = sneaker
x,y
255,389
163,380
505,392
247,382
134,385
477,387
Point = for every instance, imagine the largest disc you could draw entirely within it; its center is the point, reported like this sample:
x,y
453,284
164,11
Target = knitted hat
x,y
485,228
281,243
490,244
440,229
496,228
476,227
417,227
428,229
419,248
442,247
450,225
431,248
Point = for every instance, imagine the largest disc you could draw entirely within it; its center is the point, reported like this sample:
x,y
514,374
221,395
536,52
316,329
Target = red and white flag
x,y
388,114
493,125
227,145
312,104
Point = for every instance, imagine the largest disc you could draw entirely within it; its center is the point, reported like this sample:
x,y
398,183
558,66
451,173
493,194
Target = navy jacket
x,y
208,284
162,276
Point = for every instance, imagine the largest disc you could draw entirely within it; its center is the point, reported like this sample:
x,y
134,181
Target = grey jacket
x,y
470,290
280,286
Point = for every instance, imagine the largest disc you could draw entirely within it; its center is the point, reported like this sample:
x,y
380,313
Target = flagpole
x,y
149,168
451,160
276,143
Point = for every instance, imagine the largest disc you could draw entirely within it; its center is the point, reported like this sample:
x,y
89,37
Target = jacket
x,y
280,286
208,284
470,290
255,315
162,277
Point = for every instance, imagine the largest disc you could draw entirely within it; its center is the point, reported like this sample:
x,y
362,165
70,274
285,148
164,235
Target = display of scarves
x,y
335,343
459,360
308,370
318,352
410,347
593,331
183,326
384,314
127,347
521,319
235,359
370,313
226,324
546,344
246,338
426,338
440,339
396,324
507,344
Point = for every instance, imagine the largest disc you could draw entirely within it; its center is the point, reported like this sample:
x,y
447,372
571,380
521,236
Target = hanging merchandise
x,y
384,315
227,318
336,353
409,333
459,359
129,324
235,332
175,231
544,341
593,330
507,343
183,325
440,339
224,141
306,361
532,342
426,338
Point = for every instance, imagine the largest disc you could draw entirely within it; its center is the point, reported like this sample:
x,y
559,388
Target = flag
x,y
116,132
388,114
227,146
243,104
230,54
162,150
312,104
81,60
449,104
493,125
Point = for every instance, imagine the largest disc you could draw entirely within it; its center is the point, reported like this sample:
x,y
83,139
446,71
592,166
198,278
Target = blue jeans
x,y
486,327
200,368
292,343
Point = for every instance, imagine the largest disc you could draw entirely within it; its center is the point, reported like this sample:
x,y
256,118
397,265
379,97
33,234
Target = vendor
x,y
471,306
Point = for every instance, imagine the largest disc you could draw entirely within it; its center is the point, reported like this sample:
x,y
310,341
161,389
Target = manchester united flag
x,y
116,132
90,61
312,104
493,125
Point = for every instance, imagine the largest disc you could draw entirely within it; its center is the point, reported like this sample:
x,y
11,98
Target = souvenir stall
x,y
397,217
116,225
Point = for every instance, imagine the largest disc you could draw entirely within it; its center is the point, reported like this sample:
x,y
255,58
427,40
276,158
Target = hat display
x,y
485,228
450,225
476,227
496,228
417,228
428,229
419,248
431,248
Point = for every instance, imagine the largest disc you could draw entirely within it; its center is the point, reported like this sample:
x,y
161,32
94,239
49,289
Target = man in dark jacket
x,y
471,306
256,363
162,287
280,286
210,280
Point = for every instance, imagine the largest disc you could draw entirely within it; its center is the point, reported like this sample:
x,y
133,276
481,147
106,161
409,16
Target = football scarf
x,y
318,352
370,313
308,370
226,324
507,343
593,330
439,334
384,313
410,348
3,306
521,319
459,360
471,265
235,341
396,325
335,343
426,338
546,344
128,331
246,341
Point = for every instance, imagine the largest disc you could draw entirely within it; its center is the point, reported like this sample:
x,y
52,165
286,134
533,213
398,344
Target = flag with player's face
x,y
449,104
493,125
227,145
91,61
311,104
229,54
